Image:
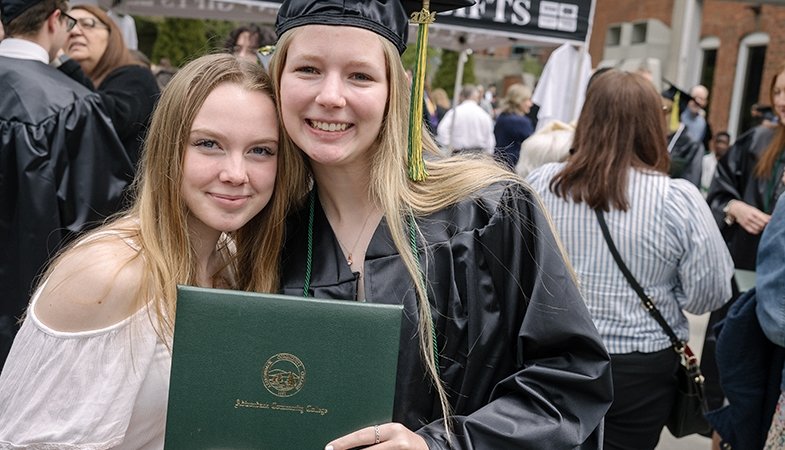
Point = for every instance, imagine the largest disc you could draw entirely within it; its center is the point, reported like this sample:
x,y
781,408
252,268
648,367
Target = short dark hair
x,y
264,36
31,20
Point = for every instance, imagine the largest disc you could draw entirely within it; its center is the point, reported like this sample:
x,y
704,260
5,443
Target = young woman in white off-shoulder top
x,y
90,367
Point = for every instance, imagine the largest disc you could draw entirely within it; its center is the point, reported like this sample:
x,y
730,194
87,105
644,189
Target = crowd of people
x,y
287,171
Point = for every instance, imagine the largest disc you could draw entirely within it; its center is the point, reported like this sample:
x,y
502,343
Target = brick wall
x,y
728,21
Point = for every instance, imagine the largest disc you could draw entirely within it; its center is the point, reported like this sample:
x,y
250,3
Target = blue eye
x,y
262,151
207,143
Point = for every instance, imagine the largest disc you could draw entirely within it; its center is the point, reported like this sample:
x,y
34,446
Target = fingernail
x,y
329,447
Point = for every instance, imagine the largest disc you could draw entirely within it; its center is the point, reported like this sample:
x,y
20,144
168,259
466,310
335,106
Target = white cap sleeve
x,y
75,390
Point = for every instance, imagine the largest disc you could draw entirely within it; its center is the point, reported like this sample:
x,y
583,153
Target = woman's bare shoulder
x,y
94,285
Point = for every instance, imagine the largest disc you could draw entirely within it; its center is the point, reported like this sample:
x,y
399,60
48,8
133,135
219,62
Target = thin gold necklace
x,y
349,254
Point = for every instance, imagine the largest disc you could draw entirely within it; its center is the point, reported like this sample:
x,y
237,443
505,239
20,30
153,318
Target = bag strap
x,y
678,345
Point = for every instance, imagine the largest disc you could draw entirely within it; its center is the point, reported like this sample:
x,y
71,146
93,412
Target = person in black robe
x,y
497,349
62,166
737,180
127,87
742,195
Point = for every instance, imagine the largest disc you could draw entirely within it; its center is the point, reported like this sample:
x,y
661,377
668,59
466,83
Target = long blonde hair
x,y
157,220
450,181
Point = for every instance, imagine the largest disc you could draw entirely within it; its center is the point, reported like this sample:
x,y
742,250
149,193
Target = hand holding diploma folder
x,y
264,371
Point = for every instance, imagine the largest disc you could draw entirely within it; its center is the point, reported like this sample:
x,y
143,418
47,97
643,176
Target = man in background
x,y
467,127
62,167
721,145
694,116
245,42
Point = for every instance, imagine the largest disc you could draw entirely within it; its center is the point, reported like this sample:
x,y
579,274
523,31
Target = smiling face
x,y
88,40
230,160
334,92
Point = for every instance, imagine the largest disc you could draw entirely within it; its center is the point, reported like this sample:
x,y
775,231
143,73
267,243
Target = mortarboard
x,y
389,19
11,9
680,98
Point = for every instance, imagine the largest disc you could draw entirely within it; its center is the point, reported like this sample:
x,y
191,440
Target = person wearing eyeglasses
x,y
96,56
62,166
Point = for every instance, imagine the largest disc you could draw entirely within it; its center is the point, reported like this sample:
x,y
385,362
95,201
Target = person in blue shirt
x,y
512,126
770,293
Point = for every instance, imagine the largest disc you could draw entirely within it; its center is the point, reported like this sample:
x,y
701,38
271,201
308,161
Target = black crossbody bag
x,y
687,415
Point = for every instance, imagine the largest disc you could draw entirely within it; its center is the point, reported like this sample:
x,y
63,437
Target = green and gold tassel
x,y
416,164
675,118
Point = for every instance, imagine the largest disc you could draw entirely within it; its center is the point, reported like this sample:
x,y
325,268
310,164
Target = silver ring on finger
x,y
378,434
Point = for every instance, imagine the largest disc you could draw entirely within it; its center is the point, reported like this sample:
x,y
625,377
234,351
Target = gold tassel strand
x,y
416,164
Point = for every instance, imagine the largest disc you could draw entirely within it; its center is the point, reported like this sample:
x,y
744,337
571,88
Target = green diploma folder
x,y
263,371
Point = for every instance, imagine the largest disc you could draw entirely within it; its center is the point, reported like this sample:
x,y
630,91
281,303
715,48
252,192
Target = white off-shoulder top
x,y
97,389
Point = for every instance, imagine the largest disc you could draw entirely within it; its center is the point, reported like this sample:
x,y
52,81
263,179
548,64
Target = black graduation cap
x,y
387,18
680,98
11,9
683,96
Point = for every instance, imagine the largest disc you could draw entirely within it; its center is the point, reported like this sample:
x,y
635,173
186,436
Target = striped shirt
x,y
669,241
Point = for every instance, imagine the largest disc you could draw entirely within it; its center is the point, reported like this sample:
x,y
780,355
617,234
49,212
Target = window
x,y
747,83
613,36
708,63
639,31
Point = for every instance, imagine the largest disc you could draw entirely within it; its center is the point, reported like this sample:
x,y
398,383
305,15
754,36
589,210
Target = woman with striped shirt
x,y
664,232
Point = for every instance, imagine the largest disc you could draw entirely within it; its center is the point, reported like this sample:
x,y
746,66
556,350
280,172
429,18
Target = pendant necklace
x,y
349,253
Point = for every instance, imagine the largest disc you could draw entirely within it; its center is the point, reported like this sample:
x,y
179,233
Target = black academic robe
x,y
686,158
128,96
62,169
523,362
735,180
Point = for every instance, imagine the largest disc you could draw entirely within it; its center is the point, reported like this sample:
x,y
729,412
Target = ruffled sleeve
x,y
74,390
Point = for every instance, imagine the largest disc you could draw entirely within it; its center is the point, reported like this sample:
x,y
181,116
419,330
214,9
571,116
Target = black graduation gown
x,y
522,360
62,168
128,96
735,180
686,158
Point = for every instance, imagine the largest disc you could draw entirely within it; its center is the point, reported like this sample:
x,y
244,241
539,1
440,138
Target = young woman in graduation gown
x,y
749,180
497,349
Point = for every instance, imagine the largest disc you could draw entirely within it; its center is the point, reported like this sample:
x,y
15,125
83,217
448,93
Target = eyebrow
x,y
357,62
217,135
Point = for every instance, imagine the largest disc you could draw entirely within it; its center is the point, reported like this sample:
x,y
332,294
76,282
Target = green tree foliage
x,y
146,31
181,40
445,75
409,57
531,65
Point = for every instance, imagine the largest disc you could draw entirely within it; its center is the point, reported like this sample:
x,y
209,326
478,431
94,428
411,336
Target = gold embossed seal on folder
x,y
283,375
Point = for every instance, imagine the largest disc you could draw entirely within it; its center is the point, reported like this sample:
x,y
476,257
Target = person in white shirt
x,y
467,127
90,366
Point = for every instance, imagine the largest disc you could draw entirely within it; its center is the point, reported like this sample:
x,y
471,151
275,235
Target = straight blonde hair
x,y
450,181
156,222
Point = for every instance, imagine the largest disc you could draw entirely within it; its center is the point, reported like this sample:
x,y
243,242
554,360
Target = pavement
x,y
695,441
